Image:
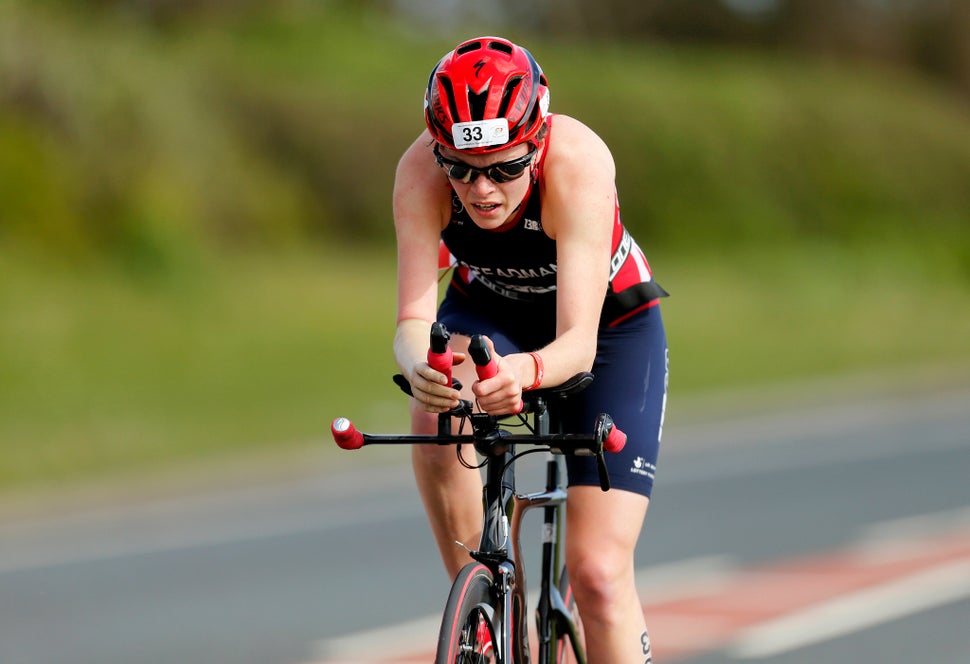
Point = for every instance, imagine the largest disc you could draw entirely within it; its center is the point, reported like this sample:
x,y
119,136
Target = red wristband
x,y
539,372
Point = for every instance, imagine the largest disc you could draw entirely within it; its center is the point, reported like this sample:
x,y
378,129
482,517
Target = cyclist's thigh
x,y
631,385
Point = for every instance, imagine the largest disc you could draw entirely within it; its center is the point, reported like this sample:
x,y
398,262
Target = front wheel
x,y
467,633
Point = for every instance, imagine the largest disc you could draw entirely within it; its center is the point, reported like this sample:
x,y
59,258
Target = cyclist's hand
x,y
501,394
431,388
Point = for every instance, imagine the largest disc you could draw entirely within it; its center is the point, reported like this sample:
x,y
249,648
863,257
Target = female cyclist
x,y
524,204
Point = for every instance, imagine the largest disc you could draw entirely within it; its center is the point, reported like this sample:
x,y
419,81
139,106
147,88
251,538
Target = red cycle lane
x,y
793,603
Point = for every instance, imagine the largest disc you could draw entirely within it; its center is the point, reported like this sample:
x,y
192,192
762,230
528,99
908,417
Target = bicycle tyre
x,y
563,648
467,634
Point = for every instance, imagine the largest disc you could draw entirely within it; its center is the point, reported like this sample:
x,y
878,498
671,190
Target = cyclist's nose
x,y
481,183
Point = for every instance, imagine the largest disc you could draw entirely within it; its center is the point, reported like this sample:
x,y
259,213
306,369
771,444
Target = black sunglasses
x,y
504,171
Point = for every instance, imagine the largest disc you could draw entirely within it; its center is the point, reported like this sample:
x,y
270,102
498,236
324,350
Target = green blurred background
x,y
196,250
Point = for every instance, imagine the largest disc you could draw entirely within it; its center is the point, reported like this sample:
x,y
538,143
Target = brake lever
x,y
403,383
405,386
609,439
603,472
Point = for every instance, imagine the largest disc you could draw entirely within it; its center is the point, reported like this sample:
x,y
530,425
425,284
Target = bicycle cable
x,y
461,457
465,464
519,455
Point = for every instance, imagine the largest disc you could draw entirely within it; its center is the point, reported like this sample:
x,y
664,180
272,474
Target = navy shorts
x,y
630,383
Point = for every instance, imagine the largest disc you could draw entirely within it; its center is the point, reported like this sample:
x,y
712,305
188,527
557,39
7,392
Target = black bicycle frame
x,y
499,548
504,510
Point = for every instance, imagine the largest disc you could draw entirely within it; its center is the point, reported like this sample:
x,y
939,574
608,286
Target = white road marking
x,y
854,612
918,526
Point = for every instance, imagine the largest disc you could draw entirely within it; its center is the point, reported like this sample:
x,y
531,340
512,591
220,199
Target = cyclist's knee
x,y
602,582
436,460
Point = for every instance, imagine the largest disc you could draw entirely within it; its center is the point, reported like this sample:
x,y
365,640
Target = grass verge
x,y
106,376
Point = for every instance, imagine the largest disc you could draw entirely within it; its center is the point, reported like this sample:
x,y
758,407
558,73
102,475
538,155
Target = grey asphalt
x,y
269,574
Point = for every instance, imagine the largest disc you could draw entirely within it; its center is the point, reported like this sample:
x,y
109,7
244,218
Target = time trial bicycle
x,y
484,621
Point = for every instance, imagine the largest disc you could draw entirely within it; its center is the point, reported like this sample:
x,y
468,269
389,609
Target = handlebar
x,y
606,436
346,435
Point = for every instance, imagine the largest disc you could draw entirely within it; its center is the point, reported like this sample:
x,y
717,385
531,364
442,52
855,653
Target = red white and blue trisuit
x,y
504,286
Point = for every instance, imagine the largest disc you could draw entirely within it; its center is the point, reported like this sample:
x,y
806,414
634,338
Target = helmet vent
x,y
449,95
507,95
476,103
500,46
469,47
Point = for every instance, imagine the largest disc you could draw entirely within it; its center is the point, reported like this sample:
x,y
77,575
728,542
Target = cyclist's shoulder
x,y
573,147
566,131
418,180
417,154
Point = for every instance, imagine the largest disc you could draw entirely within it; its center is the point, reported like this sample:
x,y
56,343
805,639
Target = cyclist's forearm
x,y
411,341
562,359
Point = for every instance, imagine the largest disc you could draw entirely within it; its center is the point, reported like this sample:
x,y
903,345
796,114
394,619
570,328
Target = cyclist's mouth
x,y
486,207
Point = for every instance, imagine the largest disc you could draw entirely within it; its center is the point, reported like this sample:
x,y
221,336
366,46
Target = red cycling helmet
x,y
487,95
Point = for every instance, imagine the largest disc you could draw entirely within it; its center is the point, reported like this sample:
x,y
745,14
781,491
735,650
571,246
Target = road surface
x,y
834,532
